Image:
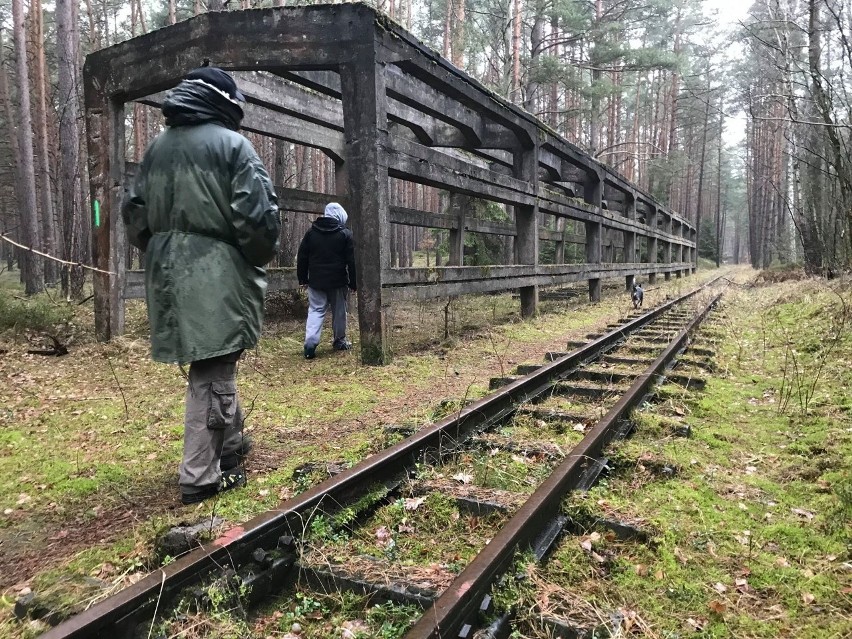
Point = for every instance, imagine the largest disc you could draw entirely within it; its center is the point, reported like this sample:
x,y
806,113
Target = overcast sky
x,y
728,14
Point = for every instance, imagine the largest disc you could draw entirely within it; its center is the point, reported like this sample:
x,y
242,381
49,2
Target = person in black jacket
x,y
325,265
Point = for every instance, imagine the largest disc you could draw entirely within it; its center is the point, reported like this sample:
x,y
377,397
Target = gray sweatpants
x,y
319,301
213,421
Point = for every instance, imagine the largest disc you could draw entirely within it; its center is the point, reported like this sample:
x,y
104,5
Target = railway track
x,y
312,540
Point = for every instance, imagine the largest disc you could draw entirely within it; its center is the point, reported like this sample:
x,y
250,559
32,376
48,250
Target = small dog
x,y
637,295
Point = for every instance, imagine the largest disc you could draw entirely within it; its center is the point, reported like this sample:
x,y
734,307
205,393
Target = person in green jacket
x,y
204,211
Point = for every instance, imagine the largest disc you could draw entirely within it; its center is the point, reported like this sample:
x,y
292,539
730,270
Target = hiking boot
x,y
310,352
235,458
342,345
233,478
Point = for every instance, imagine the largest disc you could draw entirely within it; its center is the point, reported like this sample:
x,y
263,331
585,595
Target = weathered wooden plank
x,y
280,279
302,201
294,37
279,125
417,163
274,92
399,47
445,289
365,116
430,283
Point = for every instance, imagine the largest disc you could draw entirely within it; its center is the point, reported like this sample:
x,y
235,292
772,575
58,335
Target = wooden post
x,y
362,83
667,222
105,121
526,224
678,248
693,235
560,244
457,206
593,194
630,241
652,242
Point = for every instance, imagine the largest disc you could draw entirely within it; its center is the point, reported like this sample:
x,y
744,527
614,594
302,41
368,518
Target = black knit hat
x,y
218,79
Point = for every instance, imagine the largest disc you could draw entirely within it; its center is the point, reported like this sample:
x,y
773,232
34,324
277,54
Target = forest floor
x,y
90,443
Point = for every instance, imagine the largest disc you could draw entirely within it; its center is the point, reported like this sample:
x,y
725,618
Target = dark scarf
x,y
193,103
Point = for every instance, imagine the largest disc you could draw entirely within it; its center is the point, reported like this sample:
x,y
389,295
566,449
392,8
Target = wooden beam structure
x,y
350,82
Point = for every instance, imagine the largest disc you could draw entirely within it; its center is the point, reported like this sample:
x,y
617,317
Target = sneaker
x,y
342,345
234,478
231,479
233,459
310,352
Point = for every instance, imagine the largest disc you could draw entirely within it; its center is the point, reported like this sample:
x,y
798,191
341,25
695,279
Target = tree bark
x,y
45,183
32,266
69,143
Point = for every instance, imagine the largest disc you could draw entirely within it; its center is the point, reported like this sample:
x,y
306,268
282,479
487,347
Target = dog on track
x,y
637,295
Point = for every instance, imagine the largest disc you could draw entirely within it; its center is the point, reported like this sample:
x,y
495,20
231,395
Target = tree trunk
x,y
45,183
69,139
516,52
536,38
32,265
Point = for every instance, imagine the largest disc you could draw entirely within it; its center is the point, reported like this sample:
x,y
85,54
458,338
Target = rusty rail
x,y
461,601
122,613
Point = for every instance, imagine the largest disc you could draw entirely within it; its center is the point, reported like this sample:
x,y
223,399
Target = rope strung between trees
x,y
51,257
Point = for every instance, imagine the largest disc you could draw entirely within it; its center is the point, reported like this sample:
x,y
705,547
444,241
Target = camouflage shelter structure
x,y
347,80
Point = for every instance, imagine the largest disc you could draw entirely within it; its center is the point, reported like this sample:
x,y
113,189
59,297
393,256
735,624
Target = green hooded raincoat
x,y
204,211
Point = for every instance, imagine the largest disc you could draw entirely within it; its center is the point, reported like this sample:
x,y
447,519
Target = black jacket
x,y
326,257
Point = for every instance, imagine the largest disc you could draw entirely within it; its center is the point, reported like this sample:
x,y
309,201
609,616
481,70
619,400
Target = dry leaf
x,y
413,503
641,570
595,537
580,428
659,575
383,537
717,606
782,562
741,583
464,478
720,587
263,492
696,624
678,553
405,528
807,598
586,545
598,558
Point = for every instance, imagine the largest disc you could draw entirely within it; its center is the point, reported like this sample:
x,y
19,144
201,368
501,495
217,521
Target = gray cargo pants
x,y
213,424
319,302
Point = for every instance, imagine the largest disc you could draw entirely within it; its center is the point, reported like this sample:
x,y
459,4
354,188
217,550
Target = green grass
x,y
754,528
86,442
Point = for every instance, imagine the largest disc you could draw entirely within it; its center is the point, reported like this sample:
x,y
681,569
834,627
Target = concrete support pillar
x,y
457,208
593,194
652,242
693,236
526,224
560,244
630,241
667,225
105,120
362,85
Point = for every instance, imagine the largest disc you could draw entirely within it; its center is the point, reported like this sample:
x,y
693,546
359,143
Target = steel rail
x,y
461,601
120,614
